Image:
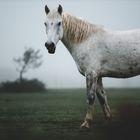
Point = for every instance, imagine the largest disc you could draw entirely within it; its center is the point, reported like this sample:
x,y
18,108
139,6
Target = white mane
x,y
77,29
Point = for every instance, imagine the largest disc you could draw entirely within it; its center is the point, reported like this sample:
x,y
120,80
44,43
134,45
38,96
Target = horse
x,y
97,51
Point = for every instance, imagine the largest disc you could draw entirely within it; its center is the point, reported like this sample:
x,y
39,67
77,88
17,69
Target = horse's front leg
x,y
91,81
103,99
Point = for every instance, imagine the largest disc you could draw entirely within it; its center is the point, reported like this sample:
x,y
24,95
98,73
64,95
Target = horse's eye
x,y
59,23
45,23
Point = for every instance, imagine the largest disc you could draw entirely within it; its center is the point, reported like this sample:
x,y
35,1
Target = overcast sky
x,y
22,24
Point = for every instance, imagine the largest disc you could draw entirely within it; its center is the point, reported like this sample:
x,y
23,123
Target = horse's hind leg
x,y
103,99
91,81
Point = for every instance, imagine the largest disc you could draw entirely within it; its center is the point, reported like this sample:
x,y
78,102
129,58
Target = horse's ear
x,y
47,10
60,9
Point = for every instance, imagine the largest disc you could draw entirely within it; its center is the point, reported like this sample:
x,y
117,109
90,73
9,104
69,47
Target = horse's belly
x,y
121,66
120,73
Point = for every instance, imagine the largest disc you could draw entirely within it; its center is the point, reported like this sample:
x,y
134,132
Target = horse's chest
x,y
85,60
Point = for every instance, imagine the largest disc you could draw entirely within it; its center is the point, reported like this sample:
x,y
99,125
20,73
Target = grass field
x,y
57,115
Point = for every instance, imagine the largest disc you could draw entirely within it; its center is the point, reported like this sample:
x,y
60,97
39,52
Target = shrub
x,y
33,85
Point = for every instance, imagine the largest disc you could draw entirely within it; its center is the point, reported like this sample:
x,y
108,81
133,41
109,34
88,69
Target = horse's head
x,y
54,28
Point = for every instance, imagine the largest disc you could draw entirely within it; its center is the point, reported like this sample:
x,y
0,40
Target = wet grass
x,y
57,115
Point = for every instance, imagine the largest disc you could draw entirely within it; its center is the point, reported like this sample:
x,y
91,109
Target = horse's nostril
x,y
52,44
46,44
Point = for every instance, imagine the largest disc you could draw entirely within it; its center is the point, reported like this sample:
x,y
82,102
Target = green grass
x,y
57,115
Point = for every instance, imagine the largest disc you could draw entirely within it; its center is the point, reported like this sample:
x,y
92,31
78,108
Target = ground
x,y
57,115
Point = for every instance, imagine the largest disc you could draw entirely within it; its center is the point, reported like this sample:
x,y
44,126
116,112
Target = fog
x,y
22,24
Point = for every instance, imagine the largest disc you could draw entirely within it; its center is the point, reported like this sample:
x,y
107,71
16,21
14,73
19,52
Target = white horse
x,y
97,52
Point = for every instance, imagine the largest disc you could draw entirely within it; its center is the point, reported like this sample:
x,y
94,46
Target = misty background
x,y
22,24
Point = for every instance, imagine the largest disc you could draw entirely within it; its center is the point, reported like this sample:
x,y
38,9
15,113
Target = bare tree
x,y
31,59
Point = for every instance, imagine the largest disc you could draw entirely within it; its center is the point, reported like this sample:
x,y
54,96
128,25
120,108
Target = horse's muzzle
x,y
50,47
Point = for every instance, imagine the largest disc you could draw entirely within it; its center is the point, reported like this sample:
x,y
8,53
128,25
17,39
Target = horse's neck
x,y
76,30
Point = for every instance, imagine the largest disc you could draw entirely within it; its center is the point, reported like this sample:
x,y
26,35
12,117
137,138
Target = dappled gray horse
x,y
97,52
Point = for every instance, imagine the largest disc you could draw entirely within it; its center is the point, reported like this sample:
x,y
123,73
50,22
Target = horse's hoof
x,y
86,124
